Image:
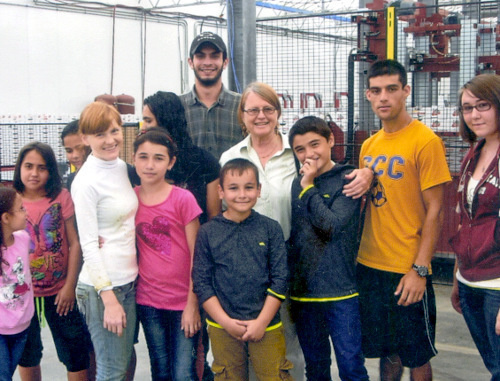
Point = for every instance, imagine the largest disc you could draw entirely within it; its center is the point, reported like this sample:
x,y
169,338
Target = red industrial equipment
x,y
106,98
126,104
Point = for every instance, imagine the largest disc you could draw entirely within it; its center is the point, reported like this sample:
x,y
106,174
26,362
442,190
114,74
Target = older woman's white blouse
x,y
276,179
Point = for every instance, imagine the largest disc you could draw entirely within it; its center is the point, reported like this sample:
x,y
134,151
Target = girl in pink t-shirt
x,y
16,290
55,260
166,228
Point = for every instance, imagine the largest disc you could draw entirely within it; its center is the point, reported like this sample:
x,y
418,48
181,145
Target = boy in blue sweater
x,y
322,256
240,278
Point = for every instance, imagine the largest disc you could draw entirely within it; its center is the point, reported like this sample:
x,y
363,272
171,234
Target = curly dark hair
x,y
170,115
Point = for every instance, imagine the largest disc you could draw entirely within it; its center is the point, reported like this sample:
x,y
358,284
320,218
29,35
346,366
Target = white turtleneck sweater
x,y
105,206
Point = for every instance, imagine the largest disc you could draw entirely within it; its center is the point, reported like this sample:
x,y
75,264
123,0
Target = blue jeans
x,y
112,352
340,320
11,349
480,308
172,355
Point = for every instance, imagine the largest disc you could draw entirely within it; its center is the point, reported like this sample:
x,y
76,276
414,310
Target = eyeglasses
x,y
256,111
481,106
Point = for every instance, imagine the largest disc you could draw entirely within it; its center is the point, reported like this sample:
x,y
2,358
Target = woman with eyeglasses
x,y
268,149
476,284
258,114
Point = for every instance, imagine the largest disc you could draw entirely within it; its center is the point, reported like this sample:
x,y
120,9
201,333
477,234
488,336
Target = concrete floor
x,y
458,358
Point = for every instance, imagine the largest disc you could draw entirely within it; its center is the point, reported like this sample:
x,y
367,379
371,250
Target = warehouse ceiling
x,y
270,8
310,5
265,9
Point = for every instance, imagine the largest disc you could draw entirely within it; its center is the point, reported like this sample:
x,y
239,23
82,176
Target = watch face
x,y
421,270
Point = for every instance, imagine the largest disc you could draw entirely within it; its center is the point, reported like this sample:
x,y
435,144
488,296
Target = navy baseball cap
x,y
210,38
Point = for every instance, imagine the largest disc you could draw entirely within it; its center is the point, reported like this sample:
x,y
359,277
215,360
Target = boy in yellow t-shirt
x,y
402,226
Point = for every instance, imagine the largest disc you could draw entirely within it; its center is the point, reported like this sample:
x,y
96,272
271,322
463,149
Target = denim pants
x,y
11,349
112,352
480,308
316,323
171,354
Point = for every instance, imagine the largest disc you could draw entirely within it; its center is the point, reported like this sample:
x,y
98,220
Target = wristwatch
x,y
422,271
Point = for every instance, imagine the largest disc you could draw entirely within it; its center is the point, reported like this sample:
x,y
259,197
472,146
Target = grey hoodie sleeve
x,y
330,220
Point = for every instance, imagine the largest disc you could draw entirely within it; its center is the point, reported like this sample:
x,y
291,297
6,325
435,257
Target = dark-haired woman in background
x,y
195,169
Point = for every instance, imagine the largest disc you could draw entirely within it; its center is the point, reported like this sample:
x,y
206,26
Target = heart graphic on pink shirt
x,y
156,235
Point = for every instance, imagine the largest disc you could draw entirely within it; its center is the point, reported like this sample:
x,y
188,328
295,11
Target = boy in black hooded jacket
x,y
322,256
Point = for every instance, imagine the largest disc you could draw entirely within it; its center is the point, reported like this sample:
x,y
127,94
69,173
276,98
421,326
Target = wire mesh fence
x,y
318,65
15,135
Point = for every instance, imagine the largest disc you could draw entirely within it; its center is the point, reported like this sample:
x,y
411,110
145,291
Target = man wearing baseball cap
x,y
211,109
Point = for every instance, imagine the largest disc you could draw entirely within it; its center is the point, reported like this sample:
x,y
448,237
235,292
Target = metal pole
x,y
241,43
350,111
